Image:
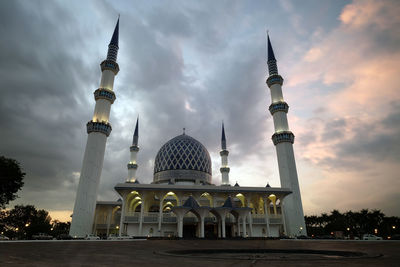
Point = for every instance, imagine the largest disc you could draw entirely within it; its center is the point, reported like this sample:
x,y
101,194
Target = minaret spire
x,y
114,38
98,129
283,140
223,138
113,46
134,149
136,134
224,159
272,67
271,55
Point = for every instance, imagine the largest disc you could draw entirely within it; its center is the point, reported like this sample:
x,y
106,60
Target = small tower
x,y
224,159
132,165
283,140
98,129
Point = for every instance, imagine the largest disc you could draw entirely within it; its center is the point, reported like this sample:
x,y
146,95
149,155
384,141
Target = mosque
x,y
182,200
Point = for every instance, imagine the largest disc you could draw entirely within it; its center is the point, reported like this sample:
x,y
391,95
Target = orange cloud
x,y
357,69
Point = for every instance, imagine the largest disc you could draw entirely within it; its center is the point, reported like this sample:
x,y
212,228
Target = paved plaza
x,y
162,253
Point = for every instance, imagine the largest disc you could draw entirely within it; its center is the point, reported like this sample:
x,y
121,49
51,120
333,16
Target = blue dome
x,y
182,158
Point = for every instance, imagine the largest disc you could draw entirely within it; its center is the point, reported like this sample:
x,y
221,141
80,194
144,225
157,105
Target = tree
x,y
11,177
24,221
60,228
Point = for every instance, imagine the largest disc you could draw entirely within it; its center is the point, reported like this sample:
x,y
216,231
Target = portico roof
x,y
121,187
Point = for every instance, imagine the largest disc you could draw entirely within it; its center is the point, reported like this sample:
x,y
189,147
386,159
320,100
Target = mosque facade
x,y
182,200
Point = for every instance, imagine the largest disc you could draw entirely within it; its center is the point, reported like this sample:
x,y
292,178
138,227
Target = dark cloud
x,y
41,104
334,129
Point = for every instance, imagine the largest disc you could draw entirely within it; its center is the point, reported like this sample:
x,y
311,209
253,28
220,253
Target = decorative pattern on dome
x,y
183,153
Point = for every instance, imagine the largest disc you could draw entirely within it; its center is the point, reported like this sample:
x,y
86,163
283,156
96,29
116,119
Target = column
x,y
160,216
109,215
248,197
238,225
121,223
180,225
266,212
244,226
141,217
201,227
223,227
219,229
250,224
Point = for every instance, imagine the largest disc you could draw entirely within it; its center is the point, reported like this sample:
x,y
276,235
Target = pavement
x,y
163,253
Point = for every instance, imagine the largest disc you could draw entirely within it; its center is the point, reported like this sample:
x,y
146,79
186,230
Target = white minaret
x,y
283,140
224,159
98,130
132,165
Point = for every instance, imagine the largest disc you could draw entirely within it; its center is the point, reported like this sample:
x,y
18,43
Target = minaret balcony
x,y
103,93
132,166
224,169
281,137
278,106
110,65
274,79
224,153
102,127
134,148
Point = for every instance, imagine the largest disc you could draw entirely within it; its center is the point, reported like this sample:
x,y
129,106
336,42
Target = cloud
x,y
191,65
354,141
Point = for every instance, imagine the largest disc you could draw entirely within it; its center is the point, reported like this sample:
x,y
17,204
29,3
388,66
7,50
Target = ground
x,y
156,253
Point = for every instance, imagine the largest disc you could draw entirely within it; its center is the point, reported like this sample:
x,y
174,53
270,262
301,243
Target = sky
x,y
192,64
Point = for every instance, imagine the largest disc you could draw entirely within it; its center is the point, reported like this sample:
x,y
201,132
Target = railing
x,y
169,219
104,226
132,219
152,217
259,220
275,219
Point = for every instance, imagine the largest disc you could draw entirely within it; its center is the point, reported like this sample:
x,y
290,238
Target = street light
x,y
394,226
348,229
27,225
